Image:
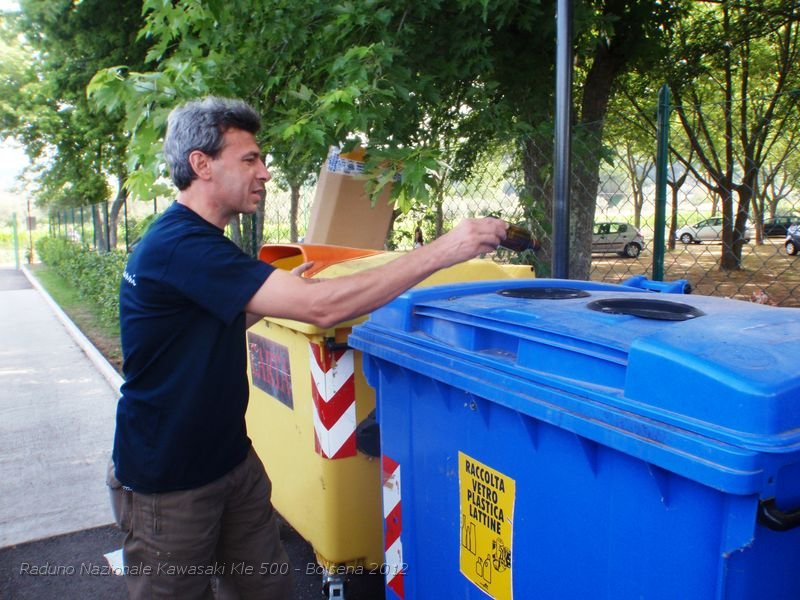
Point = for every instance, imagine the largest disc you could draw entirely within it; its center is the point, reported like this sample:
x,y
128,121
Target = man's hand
x,y
332,301
470,238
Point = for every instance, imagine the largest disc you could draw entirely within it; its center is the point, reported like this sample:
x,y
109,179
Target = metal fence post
x,y
662,157
561,184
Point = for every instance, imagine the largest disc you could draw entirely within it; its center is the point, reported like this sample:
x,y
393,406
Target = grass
x,y
85,314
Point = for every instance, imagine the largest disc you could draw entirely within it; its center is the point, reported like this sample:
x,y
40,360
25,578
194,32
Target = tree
x,y
677,176
638,168
731,73
777,178
75,150
490,66
425,86
200,49
15,71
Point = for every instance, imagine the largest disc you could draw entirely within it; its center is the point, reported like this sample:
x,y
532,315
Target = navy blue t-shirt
x,y
180,420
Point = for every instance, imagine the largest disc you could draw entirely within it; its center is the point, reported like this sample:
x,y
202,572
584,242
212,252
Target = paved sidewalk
x,y
56,420
58,400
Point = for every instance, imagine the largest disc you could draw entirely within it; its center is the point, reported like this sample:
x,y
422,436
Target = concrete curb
x,y
105,368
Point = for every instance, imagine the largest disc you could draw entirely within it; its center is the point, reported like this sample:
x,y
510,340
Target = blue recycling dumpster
x,y
569,440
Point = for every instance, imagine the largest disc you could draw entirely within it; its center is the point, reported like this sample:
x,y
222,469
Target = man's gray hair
x,y
200,125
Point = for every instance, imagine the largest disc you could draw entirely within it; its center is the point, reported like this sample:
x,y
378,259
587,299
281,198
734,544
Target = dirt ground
x,y
768,276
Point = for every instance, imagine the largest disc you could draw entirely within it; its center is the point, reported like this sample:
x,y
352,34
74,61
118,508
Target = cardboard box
x,y
342,213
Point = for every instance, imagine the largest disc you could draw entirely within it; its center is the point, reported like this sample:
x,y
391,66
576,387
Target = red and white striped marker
x,y
333,393
393,526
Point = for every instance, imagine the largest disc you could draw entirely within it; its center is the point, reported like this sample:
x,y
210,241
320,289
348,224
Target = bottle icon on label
x,y
520,239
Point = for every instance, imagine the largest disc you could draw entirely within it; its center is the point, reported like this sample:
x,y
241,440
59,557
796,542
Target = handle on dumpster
x,y
679,286
332,345
772,517
368,436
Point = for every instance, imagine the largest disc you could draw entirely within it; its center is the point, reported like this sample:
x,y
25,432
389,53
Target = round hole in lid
x,y
661,310
544,293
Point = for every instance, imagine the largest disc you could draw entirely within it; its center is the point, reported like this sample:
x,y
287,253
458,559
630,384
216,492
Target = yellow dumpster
x,y
310,415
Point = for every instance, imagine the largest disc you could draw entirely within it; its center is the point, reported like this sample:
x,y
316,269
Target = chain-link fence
x,y
695,235
725,229
105,225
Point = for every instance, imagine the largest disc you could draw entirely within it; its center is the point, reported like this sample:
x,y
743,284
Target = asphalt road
x,y
78,558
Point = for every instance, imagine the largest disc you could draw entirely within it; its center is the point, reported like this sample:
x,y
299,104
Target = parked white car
x,y
620,238
707,230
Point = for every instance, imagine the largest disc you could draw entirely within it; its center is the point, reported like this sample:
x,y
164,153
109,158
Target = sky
x,y
12,161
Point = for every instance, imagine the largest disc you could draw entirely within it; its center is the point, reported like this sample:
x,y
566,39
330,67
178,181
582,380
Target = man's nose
x,y
264,173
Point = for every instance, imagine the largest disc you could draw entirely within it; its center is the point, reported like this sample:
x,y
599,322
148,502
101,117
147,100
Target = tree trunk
x,y
113,217
729,261
537,198
236,230
99,222
587,150
259,238
586,179
673,220
758,203
438,226
675,187
247,234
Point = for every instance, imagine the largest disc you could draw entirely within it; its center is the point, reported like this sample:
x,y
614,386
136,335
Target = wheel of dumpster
x,y
333,586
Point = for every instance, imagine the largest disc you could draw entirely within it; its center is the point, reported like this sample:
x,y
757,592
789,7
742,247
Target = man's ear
x,y
201,164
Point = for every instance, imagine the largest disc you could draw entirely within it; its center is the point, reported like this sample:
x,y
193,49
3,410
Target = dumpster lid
x,y
289,256
720,367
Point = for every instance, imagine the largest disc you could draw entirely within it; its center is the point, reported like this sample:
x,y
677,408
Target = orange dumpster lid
x,y
288,256
338,261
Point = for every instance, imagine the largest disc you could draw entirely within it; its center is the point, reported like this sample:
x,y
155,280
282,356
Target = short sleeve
x,y
213,272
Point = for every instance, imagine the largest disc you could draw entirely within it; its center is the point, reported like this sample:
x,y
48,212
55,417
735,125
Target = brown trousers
x,y
226,532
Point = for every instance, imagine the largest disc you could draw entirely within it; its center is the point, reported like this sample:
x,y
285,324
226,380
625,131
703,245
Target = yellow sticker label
x,y
487,518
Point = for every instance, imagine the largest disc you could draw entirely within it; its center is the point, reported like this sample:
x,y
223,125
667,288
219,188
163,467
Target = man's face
x,y
239,173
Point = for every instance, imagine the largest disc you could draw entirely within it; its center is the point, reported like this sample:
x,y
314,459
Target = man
x,y
186,486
